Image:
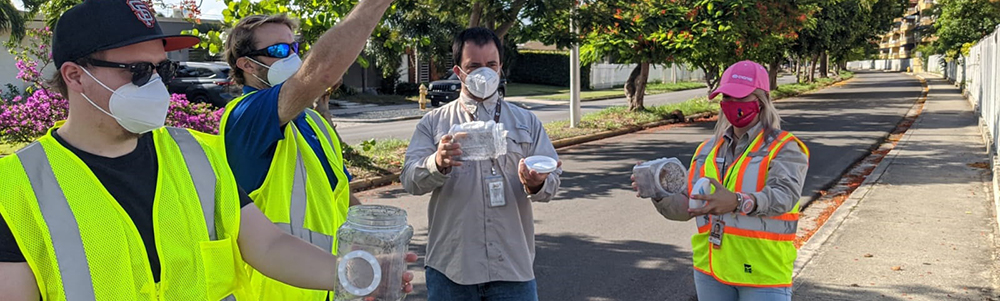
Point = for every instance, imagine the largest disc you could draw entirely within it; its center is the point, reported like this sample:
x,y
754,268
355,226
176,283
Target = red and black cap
x,y
97,25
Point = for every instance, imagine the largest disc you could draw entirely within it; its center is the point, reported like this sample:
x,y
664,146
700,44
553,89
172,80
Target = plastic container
x,y
482,141
664,176
372,246
702,187
541,164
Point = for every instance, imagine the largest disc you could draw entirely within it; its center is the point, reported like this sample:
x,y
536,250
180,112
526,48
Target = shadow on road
x,y
629,270
807,290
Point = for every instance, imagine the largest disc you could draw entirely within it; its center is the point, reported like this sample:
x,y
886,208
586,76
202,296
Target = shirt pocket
x,y
518,147
219,264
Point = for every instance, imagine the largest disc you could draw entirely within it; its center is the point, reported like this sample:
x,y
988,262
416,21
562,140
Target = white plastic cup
x,y
702,187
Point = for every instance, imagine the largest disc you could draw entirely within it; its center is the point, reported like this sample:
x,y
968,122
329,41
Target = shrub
x,y
546,68
24,119
201,117
408,89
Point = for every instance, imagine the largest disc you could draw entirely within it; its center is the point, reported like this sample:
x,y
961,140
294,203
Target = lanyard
x,y
496,113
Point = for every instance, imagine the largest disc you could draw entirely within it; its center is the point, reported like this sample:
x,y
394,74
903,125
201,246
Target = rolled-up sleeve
x,y
785,178
543,147
674,207
420,173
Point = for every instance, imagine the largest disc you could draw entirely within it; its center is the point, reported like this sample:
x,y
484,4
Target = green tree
x,y
963,22
637,32
728,31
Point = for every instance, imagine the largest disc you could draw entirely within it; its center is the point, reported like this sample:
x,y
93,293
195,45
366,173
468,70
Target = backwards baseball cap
x,y
741,79
96,25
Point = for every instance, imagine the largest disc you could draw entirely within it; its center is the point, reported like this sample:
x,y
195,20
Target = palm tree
x,y
16,21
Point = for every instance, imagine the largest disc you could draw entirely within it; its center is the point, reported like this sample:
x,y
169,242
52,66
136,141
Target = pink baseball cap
x,y
741,79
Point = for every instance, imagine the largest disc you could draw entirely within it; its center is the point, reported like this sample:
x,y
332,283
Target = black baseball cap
x,y
97,25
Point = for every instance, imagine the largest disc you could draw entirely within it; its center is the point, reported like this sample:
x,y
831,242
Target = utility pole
x,y
574,75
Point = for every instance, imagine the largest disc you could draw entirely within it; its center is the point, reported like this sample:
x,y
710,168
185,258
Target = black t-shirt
x,y
131,180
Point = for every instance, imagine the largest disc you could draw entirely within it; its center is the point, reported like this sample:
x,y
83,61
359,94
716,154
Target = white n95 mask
x,y
481,82
137,109
281,70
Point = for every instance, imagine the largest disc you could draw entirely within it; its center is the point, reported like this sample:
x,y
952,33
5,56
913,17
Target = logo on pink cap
x,y
741,79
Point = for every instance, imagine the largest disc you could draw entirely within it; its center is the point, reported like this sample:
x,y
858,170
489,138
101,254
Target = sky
x,y
210,9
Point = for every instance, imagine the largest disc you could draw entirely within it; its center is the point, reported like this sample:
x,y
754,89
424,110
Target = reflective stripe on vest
x,y
201,174
62,224
297,208
63,227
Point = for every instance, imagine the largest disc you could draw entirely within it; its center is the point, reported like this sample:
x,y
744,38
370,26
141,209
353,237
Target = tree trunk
x,y
477,12
824,66
515,10
711,78
772,72
798,69
812,68
635,87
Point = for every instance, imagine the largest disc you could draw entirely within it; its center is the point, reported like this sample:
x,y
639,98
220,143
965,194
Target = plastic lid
x,y
541,164
351,272
702,187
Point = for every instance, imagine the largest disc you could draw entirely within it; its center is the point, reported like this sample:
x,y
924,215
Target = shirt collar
x,y
730,135
472,106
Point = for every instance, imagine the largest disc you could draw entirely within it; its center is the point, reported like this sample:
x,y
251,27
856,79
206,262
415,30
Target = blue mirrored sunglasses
x,y
280,50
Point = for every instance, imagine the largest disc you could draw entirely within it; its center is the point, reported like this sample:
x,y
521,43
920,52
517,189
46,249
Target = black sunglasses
x,y
280,50
141,71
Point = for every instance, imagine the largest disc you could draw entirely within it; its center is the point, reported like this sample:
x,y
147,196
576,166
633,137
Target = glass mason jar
x,y
372,246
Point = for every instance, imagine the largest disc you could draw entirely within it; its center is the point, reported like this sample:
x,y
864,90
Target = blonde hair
x,y
768,115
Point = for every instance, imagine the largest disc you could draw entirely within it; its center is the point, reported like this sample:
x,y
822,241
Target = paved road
x,y
356,132
596,241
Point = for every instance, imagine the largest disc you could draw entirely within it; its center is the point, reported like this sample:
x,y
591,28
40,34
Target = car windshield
x,y
453,77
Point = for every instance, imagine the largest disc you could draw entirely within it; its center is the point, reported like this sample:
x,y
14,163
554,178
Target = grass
x,y
382,100
619,117
7,149
562,93
788,90
380,157
518,89
375,157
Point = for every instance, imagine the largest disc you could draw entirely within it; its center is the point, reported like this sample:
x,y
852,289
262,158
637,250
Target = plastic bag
x,y
483,140
660,177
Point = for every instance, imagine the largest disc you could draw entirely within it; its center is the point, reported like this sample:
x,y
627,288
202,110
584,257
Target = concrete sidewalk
x,y
924,227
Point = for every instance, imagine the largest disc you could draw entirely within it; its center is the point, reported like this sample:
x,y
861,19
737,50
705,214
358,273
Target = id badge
x,y
495,186
715,236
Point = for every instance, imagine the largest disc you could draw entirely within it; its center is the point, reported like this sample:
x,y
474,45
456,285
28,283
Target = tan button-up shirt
x,y
785,178
469,241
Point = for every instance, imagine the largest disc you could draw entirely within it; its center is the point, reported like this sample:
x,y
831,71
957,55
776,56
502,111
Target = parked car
x,y
204,83
445,90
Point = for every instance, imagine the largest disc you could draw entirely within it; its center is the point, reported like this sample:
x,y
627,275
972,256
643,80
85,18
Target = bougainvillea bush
x,y
24,118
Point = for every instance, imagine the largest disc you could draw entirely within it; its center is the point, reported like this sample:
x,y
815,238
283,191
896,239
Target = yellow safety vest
x,y
81,244
296,196
756,251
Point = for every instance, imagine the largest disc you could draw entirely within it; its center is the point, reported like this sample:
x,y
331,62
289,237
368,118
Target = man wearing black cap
x,y
112,205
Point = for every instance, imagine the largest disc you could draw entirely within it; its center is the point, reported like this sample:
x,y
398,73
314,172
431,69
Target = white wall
x,y
603,76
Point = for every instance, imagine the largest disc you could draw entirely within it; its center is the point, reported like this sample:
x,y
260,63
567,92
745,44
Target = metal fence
x,y
979,74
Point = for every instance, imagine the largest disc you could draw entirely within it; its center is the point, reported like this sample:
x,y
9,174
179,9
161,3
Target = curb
x,y
844,210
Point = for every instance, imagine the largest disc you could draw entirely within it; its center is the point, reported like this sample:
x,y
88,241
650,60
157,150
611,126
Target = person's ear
x,y
458,72
72,75
246,65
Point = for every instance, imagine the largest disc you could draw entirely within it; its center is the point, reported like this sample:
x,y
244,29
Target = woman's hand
x,y
721,202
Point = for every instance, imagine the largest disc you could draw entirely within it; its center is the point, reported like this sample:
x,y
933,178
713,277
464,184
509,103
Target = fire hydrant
x,y
423,97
